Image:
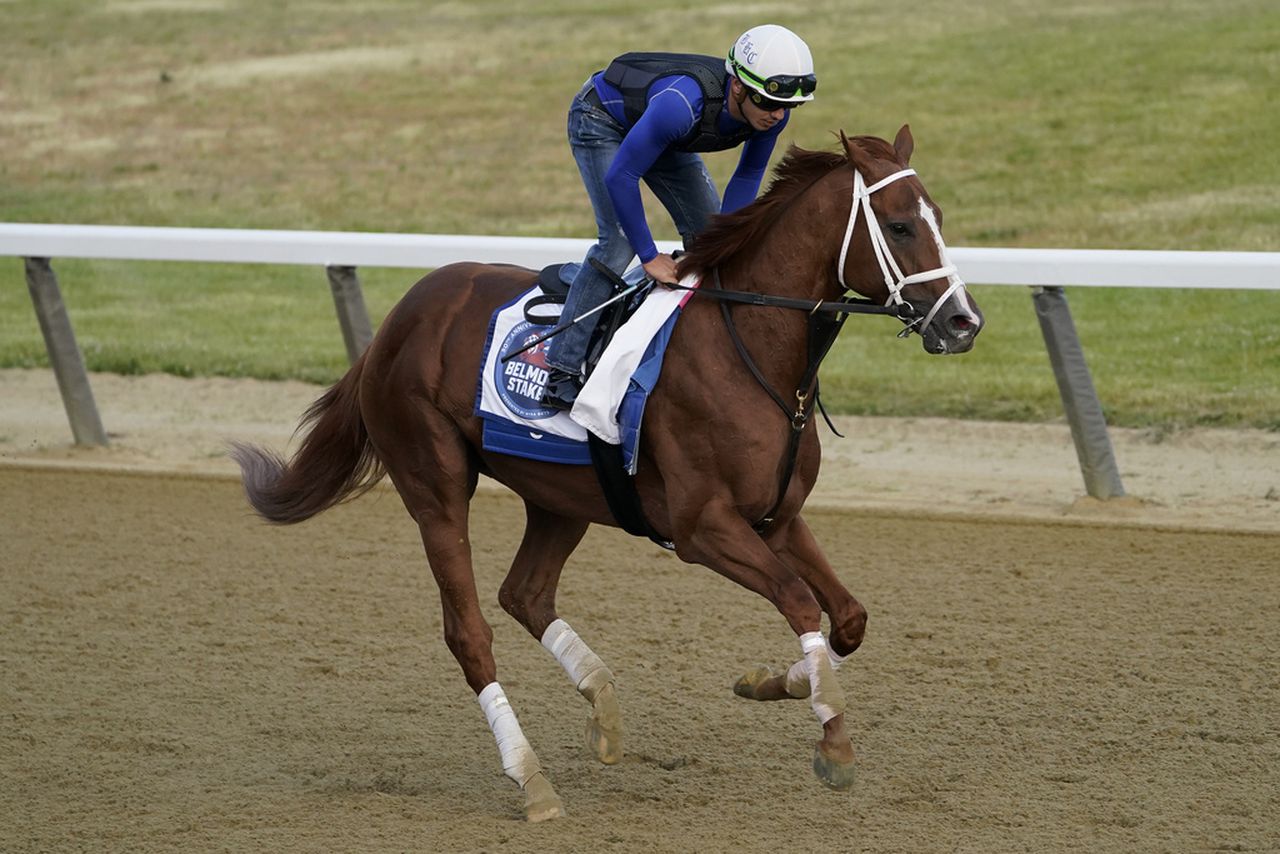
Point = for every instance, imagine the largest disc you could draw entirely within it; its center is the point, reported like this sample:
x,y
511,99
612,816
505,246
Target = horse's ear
x,y
903,144
856,155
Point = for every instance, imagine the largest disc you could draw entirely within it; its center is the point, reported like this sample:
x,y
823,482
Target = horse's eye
x,y
899,229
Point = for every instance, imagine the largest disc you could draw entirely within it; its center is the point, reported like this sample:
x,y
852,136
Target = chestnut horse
x,y
713,443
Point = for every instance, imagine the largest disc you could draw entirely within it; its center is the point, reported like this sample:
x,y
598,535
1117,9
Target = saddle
x,y
618,486
551,284
555,291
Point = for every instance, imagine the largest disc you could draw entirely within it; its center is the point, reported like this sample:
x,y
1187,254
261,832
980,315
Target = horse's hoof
x,y
604,729
605,743
540,800
832,774
749,682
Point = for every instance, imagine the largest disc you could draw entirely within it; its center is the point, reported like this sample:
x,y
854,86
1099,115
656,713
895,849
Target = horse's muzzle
x,y
952,330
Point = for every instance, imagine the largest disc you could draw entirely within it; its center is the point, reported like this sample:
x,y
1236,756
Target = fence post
x,y
1079,398
64,353
348,299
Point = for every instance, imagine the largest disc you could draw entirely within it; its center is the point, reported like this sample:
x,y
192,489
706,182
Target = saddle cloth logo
x,y
521,381
511,392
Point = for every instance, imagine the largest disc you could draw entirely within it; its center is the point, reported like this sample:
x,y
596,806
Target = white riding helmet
x,y
775,63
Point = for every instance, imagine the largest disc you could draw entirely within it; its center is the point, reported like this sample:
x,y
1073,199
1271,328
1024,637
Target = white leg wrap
x,y
798,680
518,759
836,660
798,675
584,667
825,695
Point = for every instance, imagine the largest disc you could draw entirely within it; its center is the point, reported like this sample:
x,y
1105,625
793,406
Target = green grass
x,y
234,320
1169,368
1077,124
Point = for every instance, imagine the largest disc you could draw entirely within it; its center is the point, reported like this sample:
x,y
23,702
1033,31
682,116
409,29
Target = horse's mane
x,y
798,170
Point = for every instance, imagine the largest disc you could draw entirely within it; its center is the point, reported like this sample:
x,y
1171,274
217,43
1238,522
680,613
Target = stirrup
x,y
561,390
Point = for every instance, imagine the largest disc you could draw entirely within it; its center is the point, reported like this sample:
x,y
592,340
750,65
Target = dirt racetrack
x,y
177,676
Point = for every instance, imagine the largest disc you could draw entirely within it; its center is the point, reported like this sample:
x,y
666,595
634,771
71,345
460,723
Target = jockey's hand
x,y
661,268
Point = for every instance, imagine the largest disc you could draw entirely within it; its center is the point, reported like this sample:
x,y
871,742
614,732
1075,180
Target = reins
x,y
848,305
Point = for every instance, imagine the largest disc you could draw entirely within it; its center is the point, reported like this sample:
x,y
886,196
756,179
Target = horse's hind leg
x,y
436,477
529,595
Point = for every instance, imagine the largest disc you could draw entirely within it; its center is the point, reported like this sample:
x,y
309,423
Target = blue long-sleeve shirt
x,y
674,107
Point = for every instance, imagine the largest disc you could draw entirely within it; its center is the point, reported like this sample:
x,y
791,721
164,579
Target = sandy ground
x,y
1039,674
1218,479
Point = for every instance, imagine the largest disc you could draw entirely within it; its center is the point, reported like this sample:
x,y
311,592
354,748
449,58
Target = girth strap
x,y
620,490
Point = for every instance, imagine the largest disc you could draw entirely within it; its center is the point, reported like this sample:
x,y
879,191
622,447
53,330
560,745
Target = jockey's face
x,y
745,109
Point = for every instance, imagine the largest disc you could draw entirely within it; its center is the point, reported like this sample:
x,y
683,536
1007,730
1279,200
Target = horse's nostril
x,y
960,323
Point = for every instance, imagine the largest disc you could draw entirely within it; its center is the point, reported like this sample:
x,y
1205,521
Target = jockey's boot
x,y
562,389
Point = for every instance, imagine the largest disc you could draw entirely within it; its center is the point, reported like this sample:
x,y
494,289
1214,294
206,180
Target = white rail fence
x,y
1046,271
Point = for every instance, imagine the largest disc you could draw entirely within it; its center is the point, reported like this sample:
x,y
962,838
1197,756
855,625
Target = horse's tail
x,y
335,462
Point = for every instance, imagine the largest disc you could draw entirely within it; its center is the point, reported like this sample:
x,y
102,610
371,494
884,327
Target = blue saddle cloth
x,y
508,394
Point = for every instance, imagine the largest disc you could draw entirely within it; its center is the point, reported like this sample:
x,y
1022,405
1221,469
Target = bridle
x,y
894,281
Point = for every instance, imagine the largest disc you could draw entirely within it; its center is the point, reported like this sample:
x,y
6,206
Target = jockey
x,y
646,117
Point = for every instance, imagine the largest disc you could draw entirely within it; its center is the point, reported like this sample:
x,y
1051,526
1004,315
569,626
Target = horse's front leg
x,y
796,546
722,540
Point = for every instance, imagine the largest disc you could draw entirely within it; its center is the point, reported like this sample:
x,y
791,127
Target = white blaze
x,y
926,213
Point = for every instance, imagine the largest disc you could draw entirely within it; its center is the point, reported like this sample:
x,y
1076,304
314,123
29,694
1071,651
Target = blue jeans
x,y
678,178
